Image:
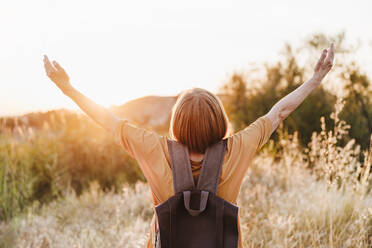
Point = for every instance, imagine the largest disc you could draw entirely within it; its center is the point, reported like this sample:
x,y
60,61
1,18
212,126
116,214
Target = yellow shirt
x,y
151,152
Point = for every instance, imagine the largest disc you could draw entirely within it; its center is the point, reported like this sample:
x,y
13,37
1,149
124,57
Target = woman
x,y
198,121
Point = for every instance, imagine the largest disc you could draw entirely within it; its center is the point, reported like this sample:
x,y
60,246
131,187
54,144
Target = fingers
x,y
324,62
47,63
321,60
48,66
331,55
59,68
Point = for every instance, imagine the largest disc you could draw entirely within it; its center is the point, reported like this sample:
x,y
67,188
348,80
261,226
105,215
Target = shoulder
x,y
139,140
254,136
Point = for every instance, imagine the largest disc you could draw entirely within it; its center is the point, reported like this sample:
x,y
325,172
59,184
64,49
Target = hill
x,y
152,112
148,111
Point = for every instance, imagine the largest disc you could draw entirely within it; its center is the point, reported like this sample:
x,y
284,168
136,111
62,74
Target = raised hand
x,y
57,74
325,63
290,102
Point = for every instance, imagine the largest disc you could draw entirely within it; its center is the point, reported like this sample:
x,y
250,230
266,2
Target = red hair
x,y
198,120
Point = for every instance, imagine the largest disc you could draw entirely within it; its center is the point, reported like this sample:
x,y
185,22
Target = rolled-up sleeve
x,y
257,134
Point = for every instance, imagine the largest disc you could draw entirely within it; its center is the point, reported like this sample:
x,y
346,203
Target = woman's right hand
x,y
58,75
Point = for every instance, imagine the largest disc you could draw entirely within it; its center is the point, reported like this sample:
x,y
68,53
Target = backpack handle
x,y
203,202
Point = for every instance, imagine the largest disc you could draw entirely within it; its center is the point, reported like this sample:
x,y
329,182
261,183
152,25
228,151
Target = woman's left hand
x,y
324,64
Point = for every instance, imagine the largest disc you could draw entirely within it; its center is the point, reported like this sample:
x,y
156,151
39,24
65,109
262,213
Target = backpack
x,y
195,217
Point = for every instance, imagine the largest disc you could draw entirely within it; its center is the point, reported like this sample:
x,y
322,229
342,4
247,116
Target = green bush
x,y
67,153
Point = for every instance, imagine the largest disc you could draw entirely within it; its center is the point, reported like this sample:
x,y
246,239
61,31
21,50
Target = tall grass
x,y
319,196
96,218
281,205
40,164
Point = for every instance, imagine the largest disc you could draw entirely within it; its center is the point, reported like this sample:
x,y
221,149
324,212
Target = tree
x,y
358,105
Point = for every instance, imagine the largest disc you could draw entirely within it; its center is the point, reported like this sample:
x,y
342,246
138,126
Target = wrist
x,y
316,80
68,90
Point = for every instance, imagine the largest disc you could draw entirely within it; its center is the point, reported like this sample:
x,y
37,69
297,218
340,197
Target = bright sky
x,y
115,51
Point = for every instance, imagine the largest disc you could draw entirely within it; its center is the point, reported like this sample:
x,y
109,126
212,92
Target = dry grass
x,y
281,205
314,197
95,219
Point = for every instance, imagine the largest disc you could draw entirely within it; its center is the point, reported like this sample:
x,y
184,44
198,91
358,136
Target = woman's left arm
x,y
290,102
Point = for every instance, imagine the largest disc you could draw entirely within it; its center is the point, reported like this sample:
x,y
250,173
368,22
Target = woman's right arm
x,y
98,113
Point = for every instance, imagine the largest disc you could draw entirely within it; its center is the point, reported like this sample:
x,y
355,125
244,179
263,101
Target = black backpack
x,y
195,217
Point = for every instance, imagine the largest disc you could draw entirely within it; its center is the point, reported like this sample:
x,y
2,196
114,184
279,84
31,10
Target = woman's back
x,y
151,152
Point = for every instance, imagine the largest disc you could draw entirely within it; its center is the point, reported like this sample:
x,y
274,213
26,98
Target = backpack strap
x,y
181,167
211,167
210,171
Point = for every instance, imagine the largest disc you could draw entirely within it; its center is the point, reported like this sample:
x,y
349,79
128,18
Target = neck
x,y
197,157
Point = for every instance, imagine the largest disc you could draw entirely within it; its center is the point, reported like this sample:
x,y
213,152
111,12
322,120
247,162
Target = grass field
x,y
318,196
